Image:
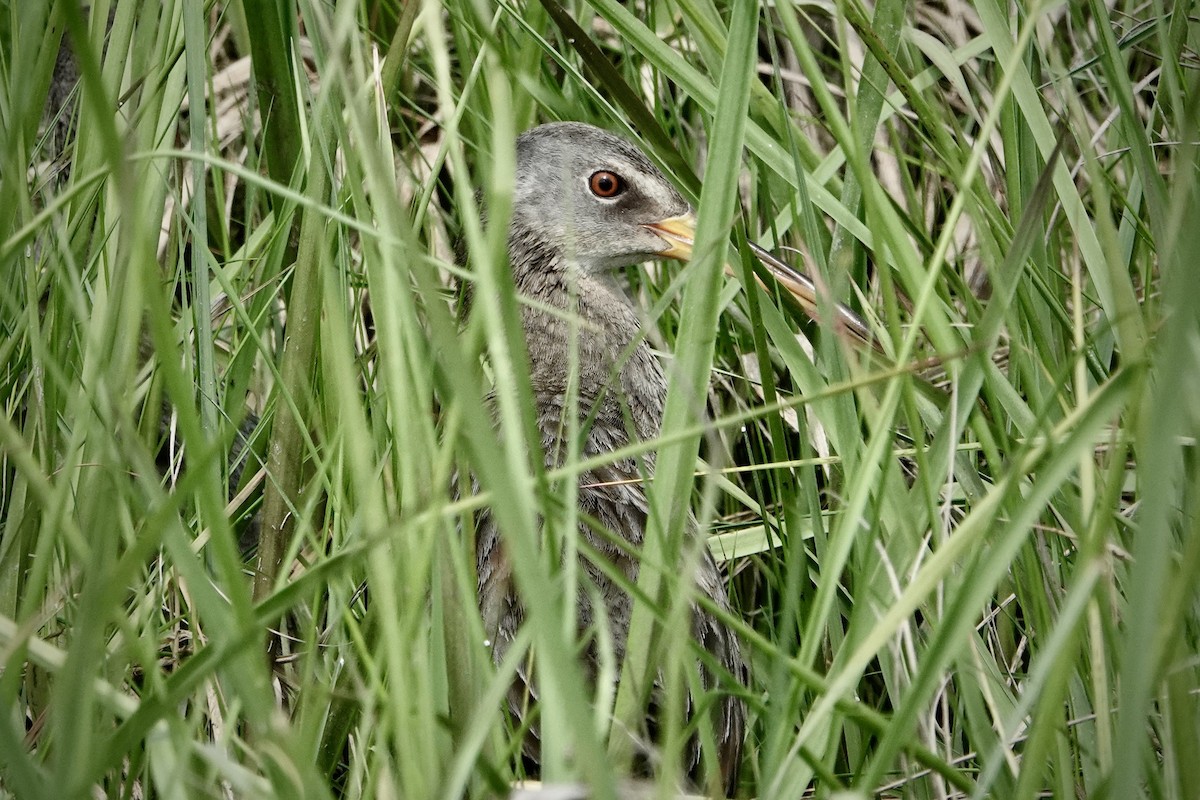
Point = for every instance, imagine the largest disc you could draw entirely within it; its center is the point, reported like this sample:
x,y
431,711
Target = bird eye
x,y
606,184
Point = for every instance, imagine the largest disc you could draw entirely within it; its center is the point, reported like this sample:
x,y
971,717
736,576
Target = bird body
x,y
586,203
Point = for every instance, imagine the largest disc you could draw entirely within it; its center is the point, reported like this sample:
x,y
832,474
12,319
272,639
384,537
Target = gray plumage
x,y
565,241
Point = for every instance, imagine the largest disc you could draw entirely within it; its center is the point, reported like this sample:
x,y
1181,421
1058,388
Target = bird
x,y
586,204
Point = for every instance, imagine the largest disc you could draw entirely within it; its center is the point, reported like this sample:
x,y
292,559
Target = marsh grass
x,y
963,564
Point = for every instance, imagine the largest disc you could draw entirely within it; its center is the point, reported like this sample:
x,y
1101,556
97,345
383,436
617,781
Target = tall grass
x,y
963,562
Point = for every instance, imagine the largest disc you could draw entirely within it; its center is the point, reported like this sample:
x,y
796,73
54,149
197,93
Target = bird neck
x,y
592,338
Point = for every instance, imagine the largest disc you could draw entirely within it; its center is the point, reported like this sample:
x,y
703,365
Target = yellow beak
x,y
680,234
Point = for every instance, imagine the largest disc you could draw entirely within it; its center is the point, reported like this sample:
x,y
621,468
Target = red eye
x,y
606,184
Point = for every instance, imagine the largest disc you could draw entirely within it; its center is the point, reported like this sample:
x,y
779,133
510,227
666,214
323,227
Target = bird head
x,y
595,200
587,198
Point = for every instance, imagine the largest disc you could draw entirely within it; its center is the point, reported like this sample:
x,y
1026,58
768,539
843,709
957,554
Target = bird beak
x,y
679,233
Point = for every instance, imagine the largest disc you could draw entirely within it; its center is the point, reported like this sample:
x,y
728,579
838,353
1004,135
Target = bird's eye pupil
x,y
606,184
